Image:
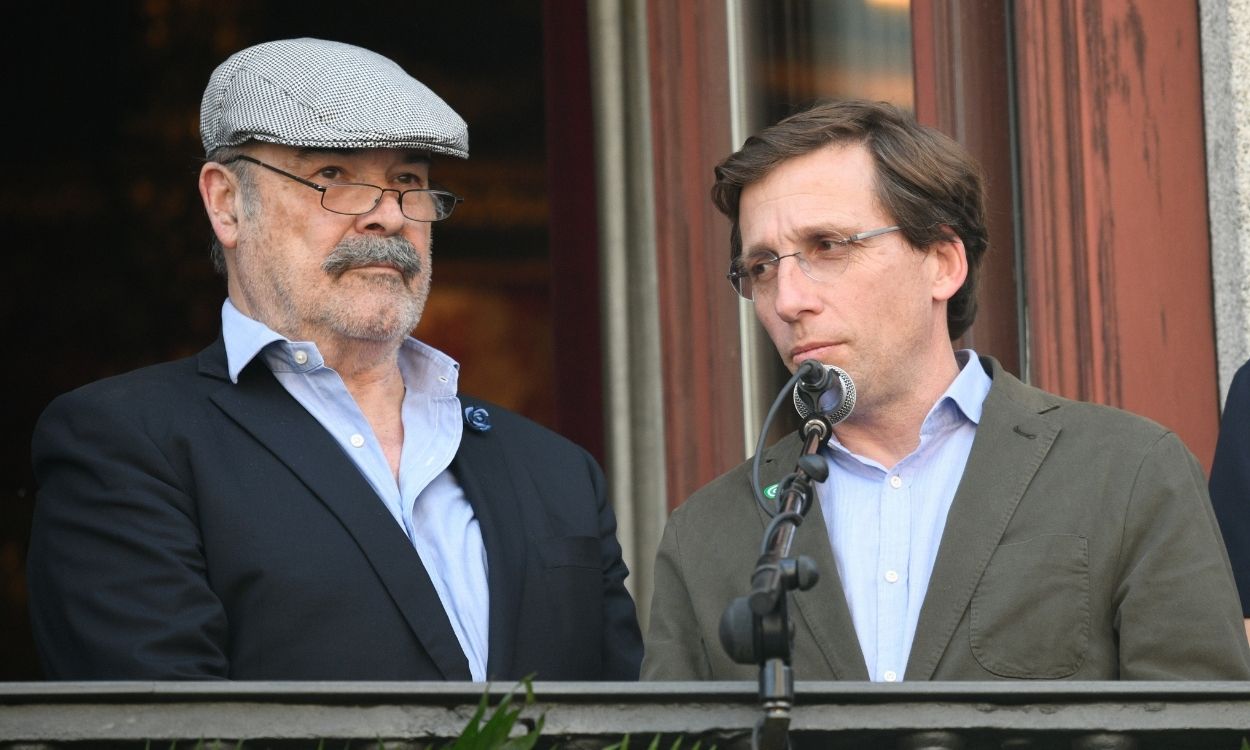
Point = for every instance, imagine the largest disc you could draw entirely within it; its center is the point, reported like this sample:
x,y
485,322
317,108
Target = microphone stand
x,y
765,608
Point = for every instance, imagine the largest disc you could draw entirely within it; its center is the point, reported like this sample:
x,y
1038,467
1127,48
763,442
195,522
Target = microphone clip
x,y
816,428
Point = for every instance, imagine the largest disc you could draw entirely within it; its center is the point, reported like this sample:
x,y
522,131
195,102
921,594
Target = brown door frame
x,y
690,108
963,88
1115,227
1113,256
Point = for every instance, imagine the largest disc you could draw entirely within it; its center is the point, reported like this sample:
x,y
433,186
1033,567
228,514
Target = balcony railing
x,y
255,715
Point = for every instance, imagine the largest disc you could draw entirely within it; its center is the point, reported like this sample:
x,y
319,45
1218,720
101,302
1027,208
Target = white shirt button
x,y
301,357
357,440
896,481
890,676
891,576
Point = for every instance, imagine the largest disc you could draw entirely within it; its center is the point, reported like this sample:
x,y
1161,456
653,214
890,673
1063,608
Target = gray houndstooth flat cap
x,y
310,93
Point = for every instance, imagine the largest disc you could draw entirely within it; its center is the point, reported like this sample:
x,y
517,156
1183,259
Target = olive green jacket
x,y
1080,545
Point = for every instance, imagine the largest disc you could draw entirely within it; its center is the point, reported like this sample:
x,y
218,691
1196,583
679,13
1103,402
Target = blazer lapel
x,y
823,610
481,467
260,405
1010,444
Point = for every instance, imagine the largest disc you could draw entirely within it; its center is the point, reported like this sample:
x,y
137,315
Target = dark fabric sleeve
x,y
622,640
1230,481
1176,607
675,649
116,571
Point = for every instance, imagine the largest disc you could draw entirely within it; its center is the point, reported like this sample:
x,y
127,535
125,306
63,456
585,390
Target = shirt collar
x,y
966,394
244,338
422,367
961,402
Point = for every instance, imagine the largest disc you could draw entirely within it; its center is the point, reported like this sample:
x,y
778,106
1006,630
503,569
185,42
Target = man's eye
x,y
407,178
330,174
832,244
757,267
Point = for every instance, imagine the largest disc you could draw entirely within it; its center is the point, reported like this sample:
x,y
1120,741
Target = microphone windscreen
x,y
834,404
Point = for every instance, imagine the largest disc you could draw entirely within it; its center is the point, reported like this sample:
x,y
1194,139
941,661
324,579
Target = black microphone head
x,y
814,375
834,402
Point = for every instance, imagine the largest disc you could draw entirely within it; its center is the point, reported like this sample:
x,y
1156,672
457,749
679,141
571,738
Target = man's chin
x,y
378,334
383,325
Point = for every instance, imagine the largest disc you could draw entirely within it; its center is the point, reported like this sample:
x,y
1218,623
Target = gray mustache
x,y
366,251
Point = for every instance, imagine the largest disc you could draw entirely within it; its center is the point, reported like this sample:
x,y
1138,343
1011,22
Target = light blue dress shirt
x,y
427,502
885,523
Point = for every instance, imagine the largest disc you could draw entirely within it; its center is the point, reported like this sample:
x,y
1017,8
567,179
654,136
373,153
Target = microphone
x,y
824,390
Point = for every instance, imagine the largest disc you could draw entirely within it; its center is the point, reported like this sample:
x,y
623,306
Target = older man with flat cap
x,y
309,497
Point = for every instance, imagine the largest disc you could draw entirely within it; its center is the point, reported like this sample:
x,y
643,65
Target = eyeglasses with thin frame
x,y
356,198
756,274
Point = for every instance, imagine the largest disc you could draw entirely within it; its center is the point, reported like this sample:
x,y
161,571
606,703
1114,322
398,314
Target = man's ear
x,y
219,188
951,260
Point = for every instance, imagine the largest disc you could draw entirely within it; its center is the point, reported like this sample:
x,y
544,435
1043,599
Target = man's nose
x,y
386,217
796,292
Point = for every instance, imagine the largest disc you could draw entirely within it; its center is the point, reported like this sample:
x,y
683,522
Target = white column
x,y
1226,94
631,332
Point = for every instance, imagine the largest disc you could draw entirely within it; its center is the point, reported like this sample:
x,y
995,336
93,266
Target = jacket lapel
x,y
823,610
1010,444
481,467
261,406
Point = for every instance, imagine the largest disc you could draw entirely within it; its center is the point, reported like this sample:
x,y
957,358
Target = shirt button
x,y
896,481
357,440
891,576
301,357
890,676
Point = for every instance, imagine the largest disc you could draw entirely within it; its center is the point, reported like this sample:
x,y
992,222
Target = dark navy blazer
x,y
1230,481
187,527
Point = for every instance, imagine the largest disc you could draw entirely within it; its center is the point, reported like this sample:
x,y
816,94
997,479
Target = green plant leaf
x,y
655,744
496,732
468,736
497,728
622,745
527,740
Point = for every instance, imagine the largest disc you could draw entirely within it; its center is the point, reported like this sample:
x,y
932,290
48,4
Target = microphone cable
x,y
809,368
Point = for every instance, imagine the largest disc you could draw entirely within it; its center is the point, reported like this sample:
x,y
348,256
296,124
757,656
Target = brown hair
x,y
929,184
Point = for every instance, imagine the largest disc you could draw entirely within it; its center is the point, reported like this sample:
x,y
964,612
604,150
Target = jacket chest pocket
x,y
1030,613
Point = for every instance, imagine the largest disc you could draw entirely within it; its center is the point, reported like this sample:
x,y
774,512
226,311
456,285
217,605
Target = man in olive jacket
x,y
972,527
